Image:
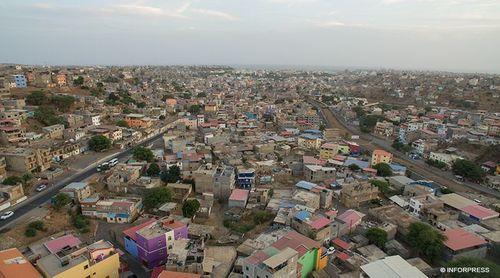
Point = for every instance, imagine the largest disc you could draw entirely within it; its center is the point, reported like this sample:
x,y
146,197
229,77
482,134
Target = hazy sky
x,y
461,35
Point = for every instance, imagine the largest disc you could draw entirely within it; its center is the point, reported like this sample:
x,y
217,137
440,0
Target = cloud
x,y
214,13
138,9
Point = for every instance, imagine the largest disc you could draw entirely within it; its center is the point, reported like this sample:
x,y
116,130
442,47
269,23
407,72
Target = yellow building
x,y
97,260
328,151
381,156
308,141
344,149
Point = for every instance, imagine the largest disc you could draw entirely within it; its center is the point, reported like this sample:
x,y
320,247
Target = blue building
x,y
246,178
20,81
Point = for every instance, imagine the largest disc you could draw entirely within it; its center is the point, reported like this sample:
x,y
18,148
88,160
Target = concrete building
x,y
245,177
316,173
354,194
461,243
19,81
113,210
238,198
99,259
14,264
26,160
54,131
309,141
328,151
218,180
390,267
78,191
381,156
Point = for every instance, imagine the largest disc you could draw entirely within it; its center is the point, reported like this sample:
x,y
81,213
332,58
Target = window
x,y
86,266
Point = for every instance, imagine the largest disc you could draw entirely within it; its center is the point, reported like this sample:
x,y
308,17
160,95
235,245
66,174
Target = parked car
x,y
41,187
113,162
103,167
7,215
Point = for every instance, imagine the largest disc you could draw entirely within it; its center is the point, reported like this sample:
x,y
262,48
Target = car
x,y
113,162
103,167
41,187
330,250
7,215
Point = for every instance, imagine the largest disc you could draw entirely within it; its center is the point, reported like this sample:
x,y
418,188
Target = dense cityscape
x,y
217,171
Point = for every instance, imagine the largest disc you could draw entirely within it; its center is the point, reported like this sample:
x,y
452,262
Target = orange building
x,y
381,156
14,264
138,121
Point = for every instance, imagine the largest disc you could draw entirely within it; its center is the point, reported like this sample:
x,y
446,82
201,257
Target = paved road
x,y
419,167
44,196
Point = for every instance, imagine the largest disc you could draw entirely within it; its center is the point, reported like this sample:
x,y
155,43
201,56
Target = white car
x,y
330,250
41,187
7,215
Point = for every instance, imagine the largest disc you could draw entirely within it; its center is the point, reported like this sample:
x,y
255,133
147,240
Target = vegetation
x,y
262,216
36,98
467,169
153,170
81,222
78,81
156,196
122,123
377,236
237,227
354,167
446,191
30,232
12,180
194,109
383,169
383,186
46,116
173,174
58,101
60,200
398,145
99,143
436,163
143,154
62,102
493,269
427,241
190,207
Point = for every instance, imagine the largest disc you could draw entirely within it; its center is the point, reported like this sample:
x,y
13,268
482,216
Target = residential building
x,y
274,263
218,180
384,128
54,131
19,81
26,160
328,151
461,243
13,264
238,198
390,267
445,158
137,121
309,141
152,241
113,210
78,191
99,259
10,135
315,173
245,177
381,156
354,194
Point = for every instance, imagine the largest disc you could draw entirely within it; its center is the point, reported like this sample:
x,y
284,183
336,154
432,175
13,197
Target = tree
x,y
60,200
426,240
436,163
354,167
30,232
383,186
26,178
398,145
62,103
190,207
12,180
143,154
194,109
493,269
153,170
468,169
262,216
377,236
78,81
383,169
99,143
36,98
47,116
156,196
122,123
37,225
173,174
322,127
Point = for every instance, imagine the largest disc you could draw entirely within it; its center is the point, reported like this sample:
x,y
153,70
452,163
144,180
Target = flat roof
x,y
14,264
239,195
458,239
392,267
59,243
280,257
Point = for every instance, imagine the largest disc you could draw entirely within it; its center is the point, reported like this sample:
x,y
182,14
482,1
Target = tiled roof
x,y
458,239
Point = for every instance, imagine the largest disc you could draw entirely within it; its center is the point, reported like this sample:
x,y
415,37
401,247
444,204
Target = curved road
x,y
44,196
371,142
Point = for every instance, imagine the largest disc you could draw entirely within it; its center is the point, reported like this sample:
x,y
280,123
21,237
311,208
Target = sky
x,y
452,35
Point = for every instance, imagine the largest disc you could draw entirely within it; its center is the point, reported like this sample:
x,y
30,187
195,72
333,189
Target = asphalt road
x,y
44,196
369,141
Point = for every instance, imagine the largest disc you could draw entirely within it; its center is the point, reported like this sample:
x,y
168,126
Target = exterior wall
x,y
480,252
308,262
107,267
131,247
236,203
152,252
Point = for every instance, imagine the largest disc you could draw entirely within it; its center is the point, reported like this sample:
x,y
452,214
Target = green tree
x,y
493,269
26,178
383,169
62,102
468,169
377,236
37,225
383,186
426,240
143,154
47,116
262,216
156,196
36,98
122,123
354,167
153,170
194,109
12,180
30,232
190,207
99,143
173,174
436,163
78,81
60,200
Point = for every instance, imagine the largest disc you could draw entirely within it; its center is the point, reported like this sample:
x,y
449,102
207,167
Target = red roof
x,y
59,243
130,232
342,244
320,223
458,239
480,212
239,195
342,256
172,224
351,217
296,241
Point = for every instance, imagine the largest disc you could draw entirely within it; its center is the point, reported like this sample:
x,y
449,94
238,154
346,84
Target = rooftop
x,y
458,239
239,195
392,267
13,264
